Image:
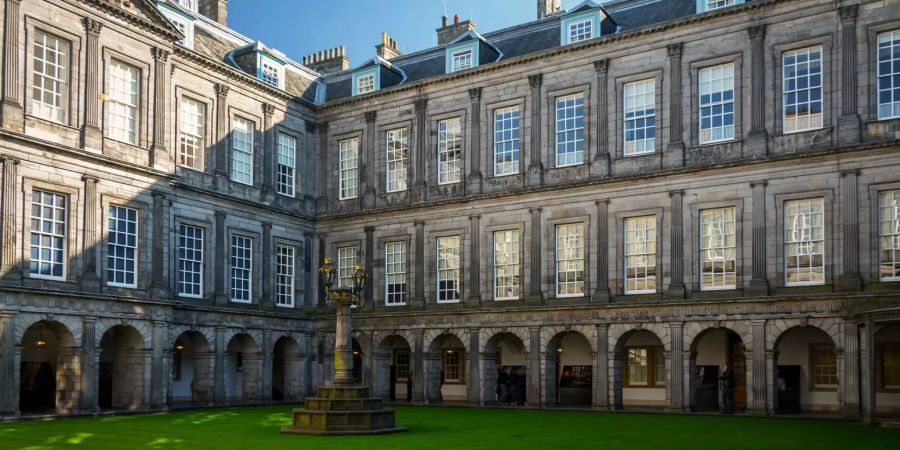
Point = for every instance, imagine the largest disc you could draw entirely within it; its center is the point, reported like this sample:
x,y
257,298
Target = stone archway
x,y
49,373
708,351
806,371
393,377
639,366
192,369
445,370
287,365
504,351
123,357
568,370
242,369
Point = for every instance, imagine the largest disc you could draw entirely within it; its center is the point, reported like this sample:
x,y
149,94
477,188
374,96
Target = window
x,y
889,235
453,372
396,152
365,83
449,151
242,151
824,367
506,265
448,269
804,241
506,141
121,247
802,89
347,261
889,75
646,367
183,23
401,364
284,162
716,4
569,130
48,234
395,273
349,172
569,260
462,60
640,255
284,275
190,261
640,117
717,249
581,31
122,107
241,268
190,141
890,367
270,73
717,103
190,5
51,77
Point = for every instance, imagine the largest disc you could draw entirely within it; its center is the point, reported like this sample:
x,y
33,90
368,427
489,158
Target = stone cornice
x,y
167,32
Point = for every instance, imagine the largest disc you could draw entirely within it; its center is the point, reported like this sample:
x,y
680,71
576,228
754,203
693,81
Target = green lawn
x,y
256,428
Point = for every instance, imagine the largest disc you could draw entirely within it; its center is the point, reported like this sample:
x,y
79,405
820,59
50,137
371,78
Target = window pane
x,y
50,83
889,235
190,261
395,273
448,269
804,240
506,141
122,106
121,247
717,103
640,255
889,74
349,172
449,151
570,259
569,130
506,264
284,275
242,151
396,160
241,268
191,133
717,249
347,261
284,162
48,234
640,117
802,89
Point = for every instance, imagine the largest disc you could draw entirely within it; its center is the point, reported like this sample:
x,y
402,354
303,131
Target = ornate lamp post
x,y
343,299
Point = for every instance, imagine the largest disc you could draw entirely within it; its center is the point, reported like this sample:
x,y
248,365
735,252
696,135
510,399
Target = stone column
x,y
849,379
159,157
266,380
473,371
91,136
320,298
674,156
601,294
11,113
757,140
420,174
159,287
676,285
533,383
601,379
367,182
158,379
309,274
600,163
89,376
418,366
474,260
269,147
535,295
369,264
11,272
675,384
220,158
850,280
758,384
535,175
759,284
267,302
90,280
849,128
220,265
322,175
9,389
475,182
418,301
219,366
869,397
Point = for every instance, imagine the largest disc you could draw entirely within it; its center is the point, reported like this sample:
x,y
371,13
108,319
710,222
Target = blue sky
x,y
301,27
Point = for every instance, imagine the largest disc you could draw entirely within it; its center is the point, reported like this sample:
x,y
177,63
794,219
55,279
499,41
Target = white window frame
x,y
348,170
191,133
396,160
196,236
395,273
270,72
569,253
639,117
449,151
114,246
448,265
891,109
507,135
348,258
53,80
570,130
365,83
506,265
285,165
242,131
721,76
123,107
241,265
799,90
710,5
462,59
285,275
183,24
57,220
581,30
800,233
641,247
889,233
718,247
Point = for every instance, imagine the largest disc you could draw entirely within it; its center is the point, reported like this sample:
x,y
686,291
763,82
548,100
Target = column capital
x,y
475,94
158,194
421,103
221,90
848,13
369,228
759,183
220,214
675,324
90,179
160,54
674,50
311,126
8,314
9,159
601,66
535,210
474,216
92,26
268,109
322,125
159,323
89,319
757,31
677,192
855,172
602,326
535,80
602,201
419,223
534,329
267,226
371,115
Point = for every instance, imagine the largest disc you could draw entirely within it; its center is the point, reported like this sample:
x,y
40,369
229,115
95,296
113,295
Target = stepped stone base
x,y
343,411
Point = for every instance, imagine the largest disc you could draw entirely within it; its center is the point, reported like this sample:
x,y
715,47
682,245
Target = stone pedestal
x,y
340,410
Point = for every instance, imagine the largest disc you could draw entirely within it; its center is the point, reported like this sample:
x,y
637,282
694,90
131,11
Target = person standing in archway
x,y
726,384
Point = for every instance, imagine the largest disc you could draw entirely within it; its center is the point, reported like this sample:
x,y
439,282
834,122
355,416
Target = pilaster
x,y
473,371
158,380
535,295
849,384
89,365
474,298
159,286
759,284
533,383
90,280
674,154
602,294
369,263
420,194
269,147
600,399
418,299
320,298
159,156
11,272
869,396
850,280
535,175
309,274
600,163
91,136
266,378
9,390
849,127
219,367
220,158
675,385
267,302
417,378
759,382
676,288
11,114
220,265
322,175
757,141
475,181
367,182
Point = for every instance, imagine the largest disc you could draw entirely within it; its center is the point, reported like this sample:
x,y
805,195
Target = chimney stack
x,y
328,61
214,9
387,49
548,8
447,33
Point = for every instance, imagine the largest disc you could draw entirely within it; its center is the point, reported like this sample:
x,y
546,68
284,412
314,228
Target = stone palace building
x,y
608,202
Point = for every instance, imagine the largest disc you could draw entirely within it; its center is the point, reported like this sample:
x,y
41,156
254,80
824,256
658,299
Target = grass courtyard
x,y
256,428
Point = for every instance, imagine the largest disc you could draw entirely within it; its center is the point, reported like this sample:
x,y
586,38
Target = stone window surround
x,y
144,139
873,191
32,24
617,140
333,246
524,125
871,73
619,277
208,129
431,237
255,263
548,154
829,100
831,235
431,143
334,183
380,163
207,288
298,152
299,279
549,266
692,243
235,113
487,256
693,124
73,266
379,283
142,256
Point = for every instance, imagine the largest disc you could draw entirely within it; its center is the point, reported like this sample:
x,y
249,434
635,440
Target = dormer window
x,y
270,70
270,73
462,60
183,22
581,31
709,5
365,81
190,5
582,24
462,56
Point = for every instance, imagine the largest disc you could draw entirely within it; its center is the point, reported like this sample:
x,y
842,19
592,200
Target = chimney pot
x,y
456,19
444,21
